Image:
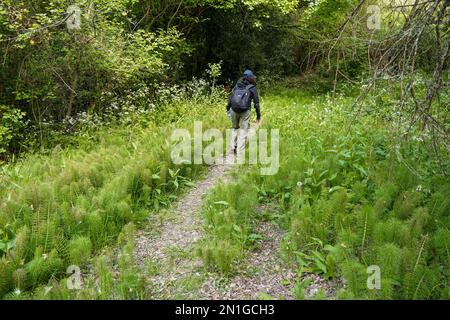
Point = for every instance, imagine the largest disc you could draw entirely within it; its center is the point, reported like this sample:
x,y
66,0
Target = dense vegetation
x,y
86,117
348,197
59,210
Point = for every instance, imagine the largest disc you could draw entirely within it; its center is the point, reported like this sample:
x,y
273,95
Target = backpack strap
x,y
248,87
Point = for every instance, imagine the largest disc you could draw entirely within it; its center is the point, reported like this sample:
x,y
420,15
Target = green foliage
x,y
43,266
220,254
6,275
7,240
60,79
405,204
65,75
300,287
108,279
20,252
131,284
64,209
79,250
355,276
345,200
11,130
228,213
348,193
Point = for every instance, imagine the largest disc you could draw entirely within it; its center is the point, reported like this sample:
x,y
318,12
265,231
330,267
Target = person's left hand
x,y
229,113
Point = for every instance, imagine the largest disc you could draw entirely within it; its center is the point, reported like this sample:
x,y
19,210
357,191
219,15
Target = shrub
x,y
12,128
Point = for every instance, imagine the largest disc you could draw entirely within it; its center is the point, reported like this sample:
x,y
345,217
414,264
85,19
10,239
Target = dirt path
x,y
167,256
262,275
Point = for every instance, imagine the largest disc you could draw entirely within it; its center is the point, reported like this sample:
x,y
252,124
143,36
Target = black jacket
x,y
242,83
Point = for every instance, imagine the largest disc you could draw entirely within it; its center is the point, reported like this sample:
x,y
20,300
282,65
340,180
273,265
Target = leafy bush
x,y
11,130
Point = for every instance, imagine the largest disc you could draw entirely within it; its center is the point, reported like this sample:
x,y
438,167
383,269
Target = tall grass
x,y
349,194
65,208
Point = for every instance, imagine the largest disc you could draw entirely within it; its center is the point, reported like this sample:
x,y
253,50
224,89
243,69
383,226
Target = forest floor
x,y
167,256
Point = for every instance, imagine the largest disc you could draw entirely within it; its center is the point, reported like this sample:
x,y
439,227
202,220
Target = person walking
x,y
238,109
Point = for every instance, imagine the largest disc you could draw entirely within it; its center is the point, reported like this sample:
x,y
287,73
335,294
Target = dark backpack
x,y
240,98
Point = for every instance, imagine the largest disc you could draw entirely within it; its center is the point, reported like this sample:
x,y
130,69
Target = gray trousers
x,y
240,125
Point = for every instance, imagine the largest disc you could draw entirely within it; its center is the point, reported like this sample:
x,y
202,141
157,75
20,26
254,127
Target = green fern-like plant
x,y
79,249
336,205
6,275
355,276
47,234
389,257
424,282
405,204
20,279
343,294
441,247
365,224
385,196
43,266
131,284
105,277
418,222
20,252
392,231
301,228
220,255
94,226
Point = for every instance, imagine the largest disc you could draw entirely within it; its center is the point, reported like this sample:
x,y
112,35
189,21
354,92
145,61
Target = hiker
x,y
238,109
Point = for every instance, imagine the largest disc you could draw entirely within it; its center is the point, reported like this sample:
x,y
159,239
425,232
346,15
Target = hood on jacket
x,y
243,82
